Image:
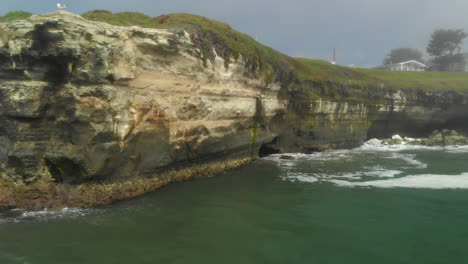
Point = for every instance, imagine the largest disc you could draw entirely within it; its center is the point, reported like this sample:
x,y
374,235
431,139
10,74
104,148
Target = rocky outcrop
x,y
350,116
92,113
85,103
439,139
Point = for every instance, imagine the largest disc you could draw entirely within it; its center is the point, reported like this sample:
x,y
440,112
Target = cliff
x,y
91,112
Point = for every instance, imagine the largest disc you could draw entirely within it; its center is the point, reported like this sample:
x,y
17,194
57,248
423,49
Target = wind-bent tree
x,y
445,46
403,54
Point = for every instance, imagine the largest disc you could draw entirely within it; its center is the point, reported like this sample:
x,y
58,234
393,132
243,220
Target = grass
x,y
239,43
14,16
121,19
420,80
270,62
318,70
214,31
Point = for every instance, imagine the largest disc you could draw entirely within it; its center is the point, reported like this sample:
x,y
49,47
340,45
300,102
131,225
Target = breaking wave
x,y
380,145
374,164
424,181
18,216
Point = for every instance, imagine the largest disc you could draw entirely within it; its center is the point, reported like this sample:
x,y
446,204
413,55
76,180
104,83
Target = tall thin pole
x,y
334,56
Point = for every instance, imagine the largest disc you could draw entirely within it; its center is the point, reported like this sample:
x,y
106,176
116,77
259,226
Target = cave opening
x,y
269,148
64,170
407,127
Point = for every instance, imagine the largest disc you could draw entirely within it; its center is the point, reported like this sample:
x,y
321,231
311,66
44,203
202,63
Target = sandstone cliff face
x,y
319,121
83,101
91,113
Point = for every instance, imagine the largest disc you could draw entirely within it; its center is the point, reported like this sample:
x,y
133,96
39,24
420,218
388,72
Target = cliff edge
x,y
91,112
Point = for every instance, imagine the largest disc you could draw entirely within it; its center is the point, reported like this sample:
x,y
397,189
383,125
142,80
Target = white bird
x,y
61,6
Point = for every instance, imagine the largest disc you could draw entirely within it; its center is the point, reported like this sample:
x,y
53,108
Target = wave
x,y
289,159
422,181
18,216
378,172
371,146
380,145
382,173
355,167
410,159
301,177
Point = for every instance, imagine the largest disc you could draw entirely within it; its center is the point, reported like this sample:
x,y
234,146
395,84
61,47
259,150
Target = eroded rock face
x,y
91,113
86,102
320,121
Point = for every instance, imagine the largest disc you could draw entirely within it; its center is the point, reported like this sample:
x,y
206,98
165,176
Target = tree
x,y
445,46
403,54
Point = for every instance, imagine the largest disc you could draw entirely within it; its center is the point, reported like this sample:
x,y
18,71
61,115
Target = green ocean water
x,y
370,205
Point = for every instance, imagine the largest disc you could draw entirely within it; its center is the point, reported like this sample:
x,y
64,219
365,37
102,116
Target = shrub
x,y
15,15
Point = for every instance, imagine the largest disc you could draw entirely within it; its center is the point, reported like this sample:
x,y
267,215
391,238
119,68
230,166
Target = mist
x,y
362,31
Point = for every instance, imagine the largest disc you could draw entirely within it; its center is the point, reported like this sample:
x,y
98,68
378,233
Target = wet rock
x,y
450,138
435,132
395,140
455,140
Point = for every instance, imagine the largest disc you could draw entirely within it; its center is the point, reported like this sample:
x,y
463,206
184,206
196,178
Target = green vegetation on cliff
x,y
213,32
420,80
120,19
15,15
270,62
238,42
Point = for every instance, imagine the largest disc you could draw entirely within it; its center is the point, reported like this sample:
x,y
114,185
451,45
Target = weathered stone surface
x,y
441,139
84,102
91,113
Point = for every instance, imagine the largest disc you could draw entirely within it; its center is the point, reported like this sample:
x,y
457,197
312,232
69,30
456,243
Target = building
x,y
411,65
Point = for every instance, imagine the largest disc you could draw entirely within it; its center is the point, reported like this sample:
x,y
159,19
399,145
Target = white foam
x,y
380,145
373,145
317,156
368,176
351,176
44,215
383,173
302,177
423,181
409,159
65,212
457,149
315,177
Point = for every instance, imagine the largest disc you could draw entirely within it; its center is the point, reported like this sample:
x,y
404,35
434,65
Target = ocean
x,y
374,204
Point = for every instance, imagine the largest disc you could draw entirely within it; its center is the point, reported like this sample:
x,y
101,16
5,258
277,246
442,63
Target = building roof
x,y
412,61
400,63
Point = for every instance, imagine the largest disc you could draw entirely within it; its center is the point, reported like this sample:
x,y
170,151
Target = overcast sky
x,y
362,31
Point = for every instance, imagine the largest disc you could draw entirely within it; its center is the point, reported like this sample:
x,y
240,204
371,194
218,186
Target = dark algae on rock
x,y
103,107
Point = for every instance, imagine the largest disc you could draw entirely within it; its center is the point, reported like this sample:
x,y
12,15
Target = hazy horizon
x,y
362,31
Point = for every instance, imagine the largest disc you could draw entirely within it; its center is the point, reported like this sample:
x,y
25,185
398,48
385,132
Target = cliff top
x,y
268,60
